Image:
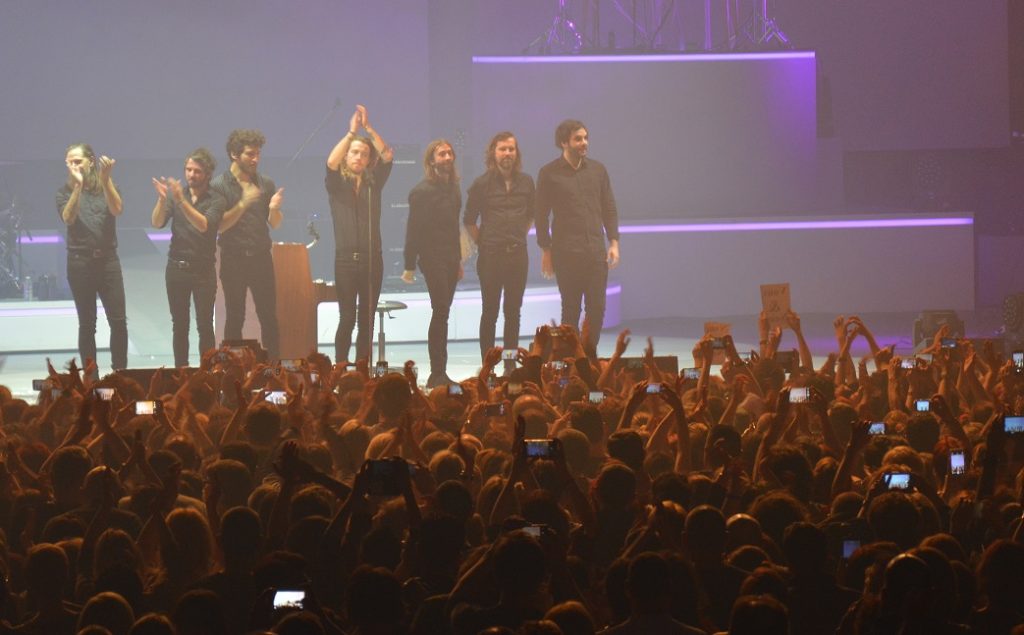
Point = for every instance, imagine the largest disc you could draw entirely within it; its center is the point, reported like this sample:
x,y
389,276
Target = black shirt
x,y
187,242
433,229
251,232
350,213
94,227
505,214
582,204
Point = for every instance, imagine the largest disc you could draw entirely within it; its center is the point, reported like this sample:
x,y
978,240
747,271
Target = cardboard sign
x,y
775,302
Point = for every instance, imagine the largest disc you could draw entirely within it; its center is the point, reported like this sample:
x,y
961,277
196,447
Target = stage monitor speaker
x,y
929,323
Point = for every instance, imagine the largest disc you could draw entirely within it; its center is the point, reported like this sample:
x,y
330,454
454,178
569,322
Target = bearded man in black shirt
x,y
195,212
577,192
253,208
432,241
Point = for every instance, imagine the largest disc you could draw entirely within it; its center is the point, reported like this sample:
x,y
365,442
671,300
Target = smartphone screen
x,y
595,396
289,599
948,342
1018,360
380,369
494,409
956,462
277,397
538,448
454,389
292,364
145,407
1014,425
878,427
514,388
653,388
799,395
908,363
509,354
691,373
105,394
850,546
899,480
39,384
923,405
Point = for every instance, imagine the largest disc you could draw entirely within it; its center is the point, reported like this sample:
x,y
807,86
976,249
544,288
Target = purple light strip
x,y
610,59
160,237
40,240
875,223
474,298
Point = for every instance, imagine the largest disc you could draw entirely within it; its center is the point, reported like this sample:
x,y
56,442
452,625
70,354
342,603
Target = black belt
x,y
504,248
92,253
246,253
188,264
353,256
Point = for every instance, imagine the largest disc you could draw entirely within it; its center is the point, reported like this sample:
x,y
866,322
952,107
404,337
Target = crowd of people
x,y
568,494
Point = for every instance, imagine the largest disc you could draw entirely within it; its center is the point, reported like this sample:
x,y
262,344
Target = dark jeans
x,y
501,270
198,283
357,284
90,277
582,277
441,278
238,274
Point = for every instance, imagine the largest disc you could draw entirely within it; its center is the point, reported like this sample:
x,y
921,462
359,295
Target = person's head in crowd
x,y
758,615
627,446
391,396
922,431
520,565
646,584
108,610
948,545
806,549
304,535
903,458
841,417
767,580
199,611
907,590
893,517
153,624
727,439
189,527
113,547
657,463
234,479
240,537
46,573
185,450
742,529
615,589
748,557
821,479
446,466
68,468
943,580
124,581
373,600
99,482
791,468
542,508
435,442
299,623
439,544
615,488
452,498
671,486
705,533
775,511
311,500
576,447
63,527
845,506
572,617
587,419
263,425
1001,574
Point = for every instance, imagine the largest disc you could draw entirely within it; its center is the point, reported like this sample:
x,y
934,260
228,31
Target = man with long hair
x,y
432,242
577,192
253,208
503,200
89,205
357,169
195,212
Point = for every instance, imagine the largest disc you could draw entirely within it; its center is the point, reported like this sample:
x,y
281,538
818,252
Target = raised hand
x,y
492,356
793,321
277,199
622,342
106,167
175,189
355,122
160,185
250,193
364,117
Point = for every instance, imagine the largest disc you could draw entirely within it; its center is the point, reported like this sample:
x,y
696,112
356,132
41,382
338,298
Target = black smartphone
x,y
292,365
384,478
539,448
277,397
877,427
691,373
922,405
380,369
556,365
948,342
271,371
595,396
908,363
1018,361
105,394
40,384
653,388
494,410
509,354
849,547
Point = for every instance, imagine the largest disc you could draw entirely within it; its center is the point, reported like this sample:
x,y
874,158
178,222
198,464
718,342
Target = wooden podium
x,y
297,299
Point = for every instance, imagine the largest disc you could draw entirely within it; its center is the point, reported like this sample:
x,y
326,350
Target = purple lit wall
x,y
680,135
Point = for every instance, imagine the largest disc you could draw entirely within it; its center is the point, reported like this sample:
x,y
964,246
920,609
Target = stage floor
x,y
672,336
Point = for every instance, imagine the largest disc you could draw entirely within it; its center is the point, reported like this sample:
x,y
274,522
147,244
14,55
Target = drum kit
x,y
11,265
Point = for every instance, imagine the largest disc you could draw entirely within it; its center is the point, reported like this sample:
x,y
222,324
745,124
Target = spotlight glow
x,y
632,59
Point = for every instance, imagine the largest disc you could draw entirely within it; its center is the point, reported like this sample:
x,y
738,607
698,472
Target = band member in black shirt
x,y
432,241
357,169
195,212
89,205
576,191
253,208
502,199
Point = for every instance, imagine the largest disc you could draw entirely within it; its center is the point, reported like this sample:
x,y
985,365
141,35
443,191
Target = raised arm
x,y
110,193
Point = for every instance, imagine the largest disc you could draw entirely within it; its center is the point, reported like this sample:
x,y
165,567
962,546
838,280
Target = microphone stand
x,y
320,126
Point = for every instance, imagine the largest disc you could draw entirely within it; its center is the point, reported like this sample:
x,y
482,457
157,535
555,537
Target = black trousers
x,y
501,270
357,283
99,275
240,273
185,285
441,277
582,278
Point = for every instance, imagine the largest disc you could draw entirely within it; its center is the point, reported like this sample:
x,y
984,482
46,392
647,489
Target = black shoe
x,y
439,379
